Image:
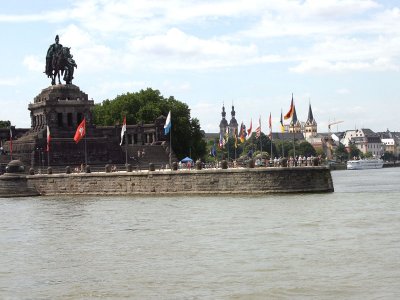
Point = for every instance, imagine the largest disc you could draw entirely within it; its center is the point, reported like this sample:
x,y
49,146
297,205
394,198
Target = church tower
x,y
224,123
233,124
295,125
310,128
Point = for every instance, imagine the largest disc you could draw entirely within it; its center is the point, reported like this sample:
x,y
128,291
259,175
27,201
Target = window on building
x,y
60,119
79,118
69,119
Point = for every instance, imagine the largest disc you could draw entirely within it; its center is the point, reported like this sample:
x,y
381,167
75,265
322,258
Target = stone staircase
x,y
142,155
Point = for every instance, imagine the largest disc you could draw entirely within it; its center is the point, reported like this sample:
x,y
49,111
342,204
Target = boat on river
x,y
362,164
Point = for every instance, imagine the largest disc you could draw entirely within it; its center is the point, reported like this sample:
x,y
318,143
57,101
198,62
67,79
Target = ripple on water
x,y
342,245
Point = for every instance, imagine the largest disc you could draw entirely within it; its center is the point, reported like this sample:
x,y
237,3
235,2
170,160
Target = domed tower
x,y
224,123
310,128
295,125
233,124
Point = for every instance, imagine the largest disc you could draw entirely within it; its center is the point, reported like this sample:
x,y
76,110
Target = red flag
x,y
249,131
291,110
80,131
48,139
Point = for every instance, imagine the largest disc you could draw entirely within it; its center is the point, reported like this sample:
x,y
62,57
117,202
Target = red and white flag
x,y
123,130
250,130
48,139
80,131
270,126
258,130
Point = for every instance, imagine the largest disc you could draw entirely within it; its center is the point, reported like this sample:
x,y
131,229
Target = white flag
x,y
167,126
123,130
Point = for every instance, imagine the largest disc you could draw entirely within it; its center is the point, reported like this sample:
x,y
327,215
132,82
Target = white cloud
x,y
110,89
178,50
343,91
34,63
10,81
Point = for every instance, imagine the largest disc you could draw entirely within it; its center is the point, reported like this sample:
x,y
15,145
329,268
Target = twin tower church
x,y
306,130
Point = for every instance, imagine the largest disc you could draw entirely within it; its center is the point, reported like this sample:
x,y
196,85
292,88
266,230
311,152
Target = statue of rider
x,y
53,50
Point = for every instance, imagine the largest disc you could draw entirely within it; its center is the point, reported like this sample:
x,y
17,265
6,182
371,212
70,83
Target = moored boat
x,y
362,164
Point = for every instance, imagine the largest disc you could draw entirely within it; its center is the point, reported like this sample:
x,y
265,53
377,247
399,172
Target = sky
x,y
343,57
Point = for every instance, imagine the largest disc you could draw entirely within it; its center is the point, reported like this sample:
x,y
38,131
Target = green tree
x,y
354,151
341,152
388,156
145,106
5,124
257,144
305,149
285,146
368,155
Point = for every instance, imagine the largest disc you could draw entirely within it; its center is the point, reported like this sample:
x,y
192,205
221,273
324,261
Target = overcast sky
x,y
342,56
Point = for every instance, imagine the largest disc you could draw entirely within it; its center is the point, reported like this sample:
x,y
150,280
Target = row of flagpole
x,y
81,133
289,115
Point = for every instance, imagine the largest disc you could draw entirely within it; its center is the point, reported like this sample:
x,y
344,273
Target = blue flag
x,y
167,126
213,151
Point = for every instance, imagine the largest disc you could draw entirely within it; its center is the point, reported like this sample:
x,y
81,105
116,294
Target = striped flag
x,y
242,133
289,114
282,127
221,141
258,130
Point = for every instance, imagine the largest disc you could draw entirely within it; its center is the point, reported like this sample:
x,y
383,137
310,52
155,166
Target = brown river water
x,y
341,245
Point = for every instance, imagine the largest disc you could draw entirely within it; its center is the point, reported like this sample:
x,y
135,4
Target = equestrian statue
x,y
59,61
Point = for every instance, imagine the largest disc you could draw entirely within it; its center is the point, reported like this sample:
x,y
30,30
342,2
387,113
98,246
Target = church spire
x,y
294,118
310,119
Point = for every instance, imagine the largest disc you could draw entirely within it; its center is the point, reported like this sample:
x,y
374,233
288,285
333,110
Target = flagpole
x,y
294,147
271,144
126,149
260,138
227,147
85,148
235,152
170,147
11,138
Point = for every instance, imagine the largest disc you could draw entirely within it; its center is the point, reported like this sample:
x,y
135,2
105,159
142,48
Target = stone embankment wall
x,y
14,185
209,181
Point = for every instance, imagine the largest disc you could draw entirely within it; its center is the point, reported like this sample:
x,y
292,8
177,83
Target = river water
x,y
342,245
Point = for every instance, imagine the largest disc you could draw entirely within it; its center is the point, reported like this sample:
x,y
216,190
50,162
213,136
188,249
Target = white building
x,y
365,140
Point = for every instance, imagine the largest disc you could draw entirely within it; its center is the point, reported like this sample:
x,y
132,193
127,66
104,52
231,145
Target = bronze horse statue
x,y
62,63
